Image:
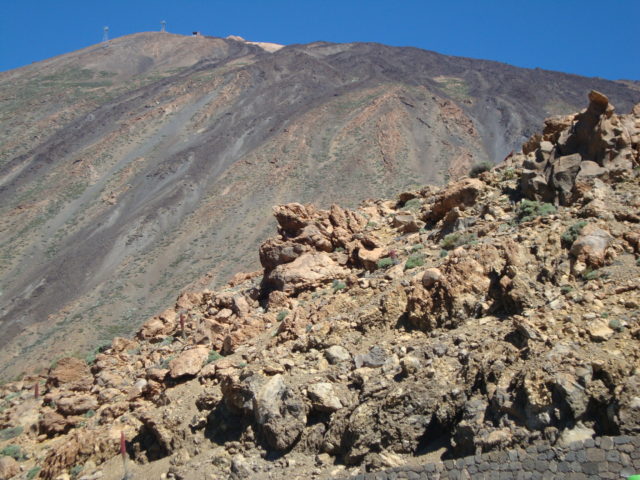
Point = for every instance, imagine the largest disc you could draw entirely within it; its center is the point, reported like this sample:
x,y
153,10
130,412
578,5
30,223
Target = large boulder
x,y
592,247
599,330
158,326
589,169
278,410
630,405
564,172
210,331
405,222
324,397
163,428
281,413
462,194
70,373
293,217
188,362
369,258
430,277
308,271
9,468
276,251
52,423
76,404
336,354
568,389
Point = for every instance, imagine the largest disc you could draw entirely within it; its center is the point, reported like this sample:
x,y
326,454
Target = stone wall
x,y
599,458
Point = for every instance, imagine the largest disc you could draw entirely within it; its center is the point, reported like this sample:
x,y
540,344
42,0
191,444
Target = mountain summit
x,y
134,168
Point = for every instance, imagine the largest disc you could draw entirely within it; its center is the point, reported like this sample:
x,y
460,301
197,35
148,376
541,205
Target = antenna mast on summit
x,y
105,34
163,26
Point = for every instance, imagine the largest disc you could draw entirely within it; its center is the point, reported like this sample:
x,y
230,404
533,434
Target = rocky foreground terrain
x,y
497,311
134,168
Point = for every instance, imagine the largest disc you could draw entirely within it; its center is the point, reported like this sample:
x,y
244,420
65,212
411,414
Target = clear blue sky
x,y
586,37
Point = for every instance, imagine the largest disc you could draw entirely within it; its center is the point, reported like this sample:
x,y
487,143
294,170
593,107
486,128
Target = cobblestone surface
x,y
593,459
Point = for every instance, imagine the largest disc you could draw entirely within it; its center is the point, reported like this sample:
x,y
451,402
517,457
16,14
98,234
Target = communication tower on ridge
x,y
105,34
163,26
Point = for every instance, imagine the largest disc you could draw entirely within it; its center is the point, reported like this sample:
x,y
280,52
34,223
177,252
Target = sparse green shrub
x,y
339,249
213,356
414,260
385,262
282,315
530,209
11,432
338,285
167,341
75,471
165,362
91,356
372,224
417,247
33,473
566,289
509,174
570,235
479,168
90,414
455,240
11,396
638,262
450,241
590,274
13,451
443,253
413,205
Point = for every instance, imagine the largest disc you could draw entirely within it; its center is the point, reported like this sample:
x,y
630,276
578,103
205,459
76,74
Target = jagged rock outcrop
x,y
78,447
473,282
158,326
459,195
299,259
578,149
278,410
70,373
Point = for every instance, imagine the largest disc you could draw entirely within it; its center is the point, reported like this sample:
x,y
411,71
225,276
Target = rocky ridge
x,y
132,169
496,312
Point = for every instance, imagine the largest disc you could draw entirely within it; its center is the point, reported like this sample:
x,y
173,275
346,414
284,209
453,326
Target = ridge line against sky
x,y
583,37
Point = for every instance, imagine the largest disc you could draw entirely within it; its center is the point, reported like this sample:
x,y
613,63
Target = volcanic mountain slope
x,y
131,169
496,312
